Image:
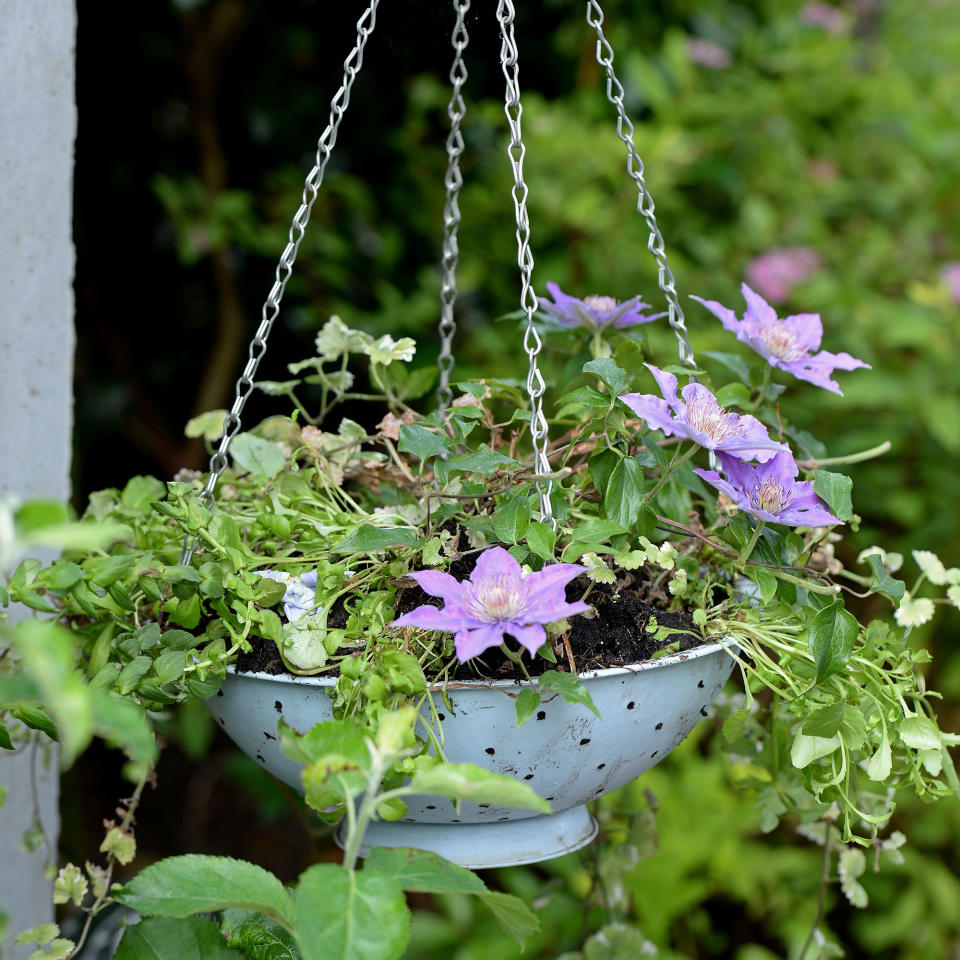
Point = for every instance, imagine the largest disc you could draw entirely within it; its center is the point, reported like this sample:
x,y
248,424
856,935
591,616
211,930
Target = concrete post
x,y
37,129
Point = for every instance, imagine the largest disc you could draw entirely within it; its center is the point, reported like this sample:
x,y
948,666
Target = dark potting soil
x,y
615,636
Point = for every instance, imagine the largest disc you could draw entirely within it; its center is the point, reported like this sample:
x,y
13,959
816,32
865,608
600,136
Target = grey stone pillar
x,y
37,129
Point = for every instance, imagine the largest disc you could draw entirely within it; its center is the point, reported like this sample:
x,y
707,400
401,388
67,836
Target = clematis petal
x,y
549,583
634,319
667,382
806,328
427,617
470,642
757,308
715,480
653,411
438,584
531,637
725,315
495,562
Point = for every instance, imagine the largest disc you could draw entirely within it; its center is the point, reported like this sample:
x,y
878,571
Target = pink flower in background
x,y
951,274
825,15
706,53
776,273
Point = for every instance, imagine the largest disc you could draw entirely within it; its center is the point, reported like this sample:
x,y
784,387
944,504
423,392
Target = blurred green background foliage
x,y
763,125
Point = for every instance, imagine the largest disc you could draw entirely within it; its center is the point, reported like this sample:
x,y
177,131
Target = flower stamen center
x,y
781,342
497,598
706,415
603,305
771,496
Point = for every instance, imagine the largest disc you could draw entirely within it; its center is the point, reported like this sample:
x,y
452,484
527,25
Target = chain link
x,y
645,204
453,181
271,306
532,344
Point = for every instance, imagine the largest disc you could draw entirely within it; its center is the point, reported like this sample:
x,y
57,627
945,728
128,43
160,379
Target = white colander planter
x,y
565,753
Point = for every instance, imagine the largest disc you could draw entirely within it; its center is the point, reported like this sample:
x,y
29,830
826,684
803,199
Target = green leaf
x,y
62,575
368,539
920,733
36,719
422,871
825,721
832,635
733,395
569,687
159,938
835,489
259,937
623,497
483,461
807,749
180,886
111,569
130,675
469,782
851,864
348,915
5,742
733,725
416,383
256,456
516,919
423,442
766,582
541,539
527,701
585,396
882,581
511,517
608,371
601,466
732,362
140,492
343,739
881,763
207,425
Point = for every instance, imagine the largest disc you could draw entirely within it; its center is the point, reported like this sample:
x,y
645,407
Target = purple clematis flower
x,y
300,598
497,599
595,312
698,417
786,343
777,272
770,491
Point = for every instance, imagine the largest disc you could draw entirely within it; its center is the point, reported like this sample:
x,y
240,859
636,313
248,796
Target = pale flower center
x,y
771,496
707,416
603,305
497,598
781,343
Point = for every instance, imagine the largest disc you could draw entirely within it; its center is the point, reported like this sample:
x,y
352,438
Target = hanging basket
x,y
564,752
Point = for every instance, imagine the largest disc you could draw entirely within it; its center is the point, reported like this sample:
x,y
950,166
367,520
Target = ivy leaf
x,y
541,539
607,370
350,915
194,883
835,489
587,397
732,362
256,456
832,634
882,581
207,425
766,582
368,539
825,721
569,687
423,442
601,466
467,781
527,701
483,461
851,865
511,517
623,497
160,938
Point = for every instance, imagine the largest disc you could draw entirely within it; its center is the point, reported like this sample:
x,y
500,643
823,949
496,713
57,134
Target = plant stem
x,y
747,551
821,893
878,451
677,461
761,396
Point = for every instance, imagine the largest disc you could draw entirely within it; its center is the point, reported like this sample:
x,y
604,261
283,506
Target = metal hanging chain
x,y
271,307
645,204
528,299
453,181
